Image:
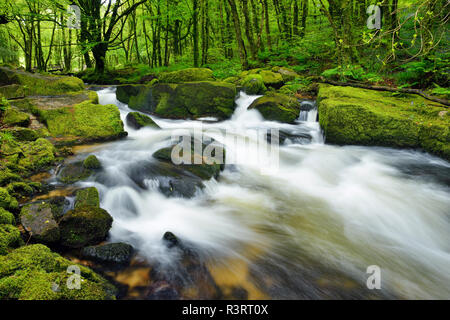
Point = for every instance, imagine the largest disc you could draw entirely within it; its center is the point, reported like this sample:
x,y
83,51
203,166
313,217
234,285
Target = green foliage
x,y
350,72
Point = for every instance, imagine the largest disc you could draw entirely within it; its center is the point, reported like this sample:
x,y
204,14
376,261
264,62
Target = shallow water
x,y
307,230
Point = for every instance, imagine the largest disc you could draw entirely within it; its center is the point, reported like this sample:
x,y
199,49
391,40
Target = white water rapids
x,y
327,209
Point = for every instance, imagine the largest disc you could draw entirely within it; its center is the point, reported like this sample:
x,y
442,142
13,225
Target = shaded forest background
x,y
126,40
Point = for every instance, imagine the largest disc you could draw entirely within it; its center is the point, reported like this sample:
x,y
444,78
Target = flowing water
x,y
307,230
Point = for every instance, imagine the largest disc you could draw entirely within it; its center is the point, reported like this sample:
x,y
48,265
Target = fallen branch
x,y
384,88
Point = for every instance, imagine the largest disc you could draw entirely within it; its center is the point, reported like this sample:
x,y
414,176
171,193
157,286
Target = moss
x,y
277,107
7,176
6,217
84,225
234,80
138,120
254,84
87,197
38,155
271,79
36,84
9,239
124,92
23,134
20,189
35,273
286,73
91,162
13,117
357,116
86,120
7,201
186,75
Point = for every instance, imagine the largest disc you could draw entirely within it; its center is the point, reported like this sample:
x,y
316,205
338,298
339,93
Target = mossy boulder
x,y
137,120
13,117
22,134
7,176
116,253
286,73
7,201
9,239
277,107
272,79
20,189
84,225
91,162
366,117
186,75
6,217
27,84
35,273
87,197
38,220
254,84
85,122
124,92
74,172
185,100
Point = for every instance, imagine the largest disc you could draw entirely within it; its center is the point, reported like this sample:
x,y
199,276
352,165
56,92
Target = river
x,y
308,230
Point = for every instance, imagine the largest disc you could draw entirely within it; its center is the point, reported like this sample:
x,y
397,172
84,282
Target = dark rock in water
x,y
277,107
87,197
120,253
137,120
38,220
307,105
73,172
91,162
282,136
84,225
59,206
239,293
162,290
170,239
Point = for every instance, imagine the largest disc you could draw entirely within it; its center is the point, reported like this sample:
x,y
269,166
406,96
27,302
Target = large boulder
x,y
286,73
366,117
84,122
73,172
185,100
84,225
137,120
18,83
254,84
277,107
91,162
117,253
35,273
186,75
13,117
38,220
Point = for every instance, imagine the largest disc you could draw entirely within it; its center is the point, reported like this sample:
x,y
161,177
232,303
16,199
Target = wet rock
x,y
38,220
277,107
170,239
87,197
84,225
73,172
183,100
91,162
137,120
59,206
161,290
120,253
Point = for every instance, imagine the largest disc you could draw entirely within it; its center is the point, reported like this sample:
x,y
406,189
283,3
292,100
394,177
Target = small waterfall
x,y
308,111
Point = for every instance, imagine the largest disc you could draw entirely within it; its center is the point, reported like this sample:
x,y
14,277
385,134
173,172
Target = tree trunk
x,y
237,28
195,31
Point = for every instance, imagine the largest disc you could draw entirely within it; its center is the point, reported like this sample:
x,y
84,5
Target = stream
x,y
308,230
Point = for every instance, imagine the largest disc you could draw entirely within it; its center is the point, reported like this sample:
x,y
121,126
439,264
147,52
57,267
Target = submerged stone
x,y
120,253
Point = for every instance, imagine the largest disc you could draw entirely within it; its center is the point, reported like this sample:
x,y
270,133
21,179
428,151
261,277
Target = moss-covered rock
x,y
286,73
9,239
22,134
277,107
37,155
87,197
38,220
366,117
28,84
13,117
272,79
7,201
7,176
20,189
85,122
124,92
254,84
73,172
186,75
84,225
137,120
185,100
91,162
6,217
35,273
